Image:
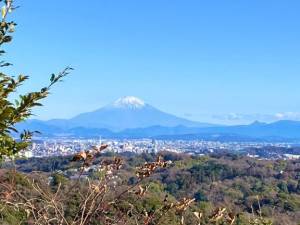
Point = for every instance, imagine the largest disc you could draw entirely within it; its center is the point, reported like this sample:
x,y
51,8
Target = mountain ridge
x,y
277,131
131,117
128,112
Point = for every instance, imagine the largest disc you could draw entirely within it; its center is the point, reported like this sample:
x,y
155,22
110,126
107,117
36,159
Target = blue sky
x,y
212,61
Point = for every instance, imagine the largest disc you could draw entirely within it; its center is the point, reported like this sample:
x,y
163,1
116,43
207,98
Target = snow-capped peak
x,y
129,102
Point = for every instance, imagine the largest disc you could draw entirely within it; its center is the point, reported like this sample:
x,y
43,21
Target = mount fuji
x,y
125,113
128,112
131,117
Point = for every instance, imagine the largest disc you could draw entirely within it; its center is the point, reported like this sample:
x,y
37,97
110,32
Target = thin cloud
x,y
240,117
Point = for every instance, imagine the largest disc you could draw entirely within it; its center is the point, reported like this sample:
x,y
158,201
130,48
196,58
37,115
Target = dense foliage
x,y
248,188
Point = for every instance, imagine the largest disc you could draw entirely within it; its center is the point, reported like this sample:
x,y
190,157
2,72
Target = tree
x,y
20,109
200,196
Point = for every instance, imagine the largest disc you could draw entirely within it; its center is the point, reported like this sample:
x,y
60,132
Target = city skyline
x,y
228,63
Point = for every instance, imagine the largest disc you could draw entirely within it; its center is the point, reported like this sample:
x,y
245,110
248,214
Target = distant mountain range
x,y
130,117
125,113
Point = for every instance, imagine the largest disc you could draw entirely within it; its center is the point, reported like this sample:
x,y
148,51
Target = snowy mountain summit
x,y
128,112
129,102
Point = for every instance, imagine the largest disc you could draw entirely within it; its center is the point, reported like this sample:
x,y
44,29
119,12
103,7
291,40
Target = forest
x,y
247,188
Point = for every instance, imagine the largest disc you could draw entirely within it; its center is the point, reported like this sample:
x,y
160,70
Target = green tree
x,y
200,196
19,109
283,187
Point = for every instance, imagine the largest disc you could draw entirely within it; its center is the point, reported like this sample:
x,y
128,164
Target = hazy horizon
x,y
217,62
261,118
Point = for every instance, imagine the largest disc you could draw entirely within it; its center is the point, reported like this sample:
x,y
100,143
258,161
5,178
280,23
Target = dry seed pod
x,y
148,168
218,214
182,205
118,163
102,147
79,156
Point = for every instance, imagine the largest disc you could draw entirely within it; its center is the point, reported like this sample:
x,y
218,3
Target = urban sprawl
x,y
64,147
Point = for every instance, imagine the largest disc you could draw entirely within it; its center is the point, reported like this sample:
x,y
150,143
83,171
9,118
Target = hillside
x,y
241,184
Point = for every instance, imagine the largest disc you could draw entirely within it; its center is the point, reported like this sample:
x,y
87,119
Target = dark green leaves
x,y
18,110
13,111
